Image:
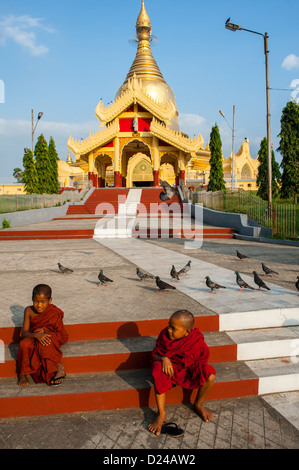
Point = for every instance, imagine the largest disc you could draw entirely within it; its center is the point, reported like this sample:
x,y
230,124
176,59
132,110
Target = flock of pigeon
x,y
175,275
162,285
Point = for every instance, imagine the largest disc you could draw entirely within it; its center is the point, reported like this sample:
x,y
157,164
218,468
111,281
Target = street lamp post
x,y
233,142
236,27
34,127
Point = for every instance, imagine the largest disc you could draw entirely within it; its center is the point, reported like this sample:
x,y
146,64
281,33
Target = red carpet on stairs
x,y
105,201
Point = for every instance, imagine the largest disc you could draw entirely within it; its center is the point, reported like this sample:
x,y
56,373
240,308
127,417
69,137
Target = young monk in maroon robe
x,y
43,333
180,357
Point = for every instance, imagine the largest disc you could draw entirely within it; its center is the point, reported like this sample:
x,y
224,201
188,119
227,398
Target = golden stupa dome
x,y
145,67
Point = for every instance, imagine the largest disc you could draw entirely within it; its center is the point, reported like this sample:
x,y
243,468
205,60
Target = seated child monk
x,y
43,333
180,357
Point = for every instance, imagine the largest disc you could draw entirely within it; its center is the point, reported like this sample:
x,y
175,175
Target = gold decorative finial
x,y
69,158
144,65
143,18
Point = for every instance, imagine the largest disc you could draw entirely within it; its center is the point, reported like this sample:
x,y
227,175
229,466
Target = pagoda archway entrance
x,y
140,171
168,168
103,164
132,153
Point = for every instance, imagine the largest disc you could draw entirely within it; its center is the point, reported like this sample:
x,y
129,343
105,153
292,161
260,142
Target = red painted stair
x,y
107,366
109,198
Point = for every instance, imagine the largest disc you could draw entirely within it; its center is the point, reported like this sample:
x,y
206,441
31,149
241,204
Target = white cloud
x,y
290,62
16,135
20,29
18,127
192,124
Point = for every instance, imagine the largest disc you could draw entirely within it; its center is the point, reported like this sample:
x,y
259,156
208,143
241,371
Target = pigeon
x,y
163,285
239,255
268,270
297,284
212,285
169,191
103,279
185,269
174,273
259,282
143,276
64,270
241,283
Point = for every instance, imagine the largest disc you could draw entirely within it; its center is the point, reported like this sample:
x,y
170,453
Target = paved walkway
x,y
238,423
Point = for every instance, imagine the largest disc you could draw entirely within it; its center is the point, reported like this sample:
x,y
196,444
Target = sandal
x,y
53,381
172,429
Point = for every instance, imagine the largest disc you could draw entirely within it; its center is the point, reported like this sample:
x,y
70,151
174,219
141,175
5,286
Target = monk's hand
x,y
43,338
167,366
39,330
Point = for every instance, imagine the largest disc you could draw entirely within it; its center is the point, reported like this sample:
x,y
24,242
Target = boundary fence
x,y
283,219
23,202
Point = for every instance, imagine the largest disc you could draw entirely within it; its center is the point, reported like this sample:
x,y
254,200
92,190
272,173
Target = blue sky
x,y
62,57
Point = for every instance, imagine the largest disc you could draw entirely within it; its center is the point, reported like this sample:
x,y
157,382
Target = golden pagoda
x,y
245,168
140,140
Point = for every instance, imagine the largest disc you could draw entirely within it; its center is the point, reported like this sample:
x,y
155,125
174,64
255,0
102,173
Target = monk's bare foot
x,y
59,376
23,380
156,426
60,371
205,414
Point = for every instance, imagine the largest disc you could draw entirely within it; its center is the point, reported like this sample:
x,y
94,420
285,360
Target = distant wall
x,y
18,219
241,223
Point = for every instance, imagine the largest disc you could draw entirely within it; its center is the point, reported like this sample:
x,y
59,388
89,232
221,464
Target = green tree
x,y
42,166
262,177
18,174
289,149
53,158
216,181
29,175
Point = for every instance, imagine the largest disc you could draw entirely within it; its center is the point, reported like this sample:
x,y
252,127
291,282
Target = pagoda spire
x,y
144,65
143,18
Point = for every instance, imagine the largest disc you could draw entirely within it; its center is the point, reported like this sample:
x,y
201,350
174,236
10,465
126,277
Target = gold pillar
x,y
117,174
90,163
182,164
116,154
156,153
156,160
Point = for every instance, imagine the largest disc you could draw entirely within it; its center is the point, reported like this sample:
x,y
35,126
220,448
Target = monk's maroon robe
x,y
41,361
189,358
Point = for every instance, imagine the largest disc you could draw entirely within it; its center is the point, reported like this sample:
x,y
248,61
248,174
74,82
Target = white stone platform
x,y
237,310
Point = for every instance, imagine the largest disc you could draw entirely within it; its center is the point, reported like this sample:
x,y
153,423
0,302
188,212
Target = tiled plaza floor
x,y
248,423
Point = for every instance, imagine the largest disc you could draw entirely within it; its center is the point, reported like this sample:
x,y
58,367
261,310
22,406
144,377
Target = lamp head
x,y
221,113
39,115
232,26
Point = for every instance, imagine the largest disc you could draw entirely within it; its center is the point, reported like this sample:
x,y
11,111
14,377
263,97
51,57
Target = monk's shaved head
x,y
42,289
185,317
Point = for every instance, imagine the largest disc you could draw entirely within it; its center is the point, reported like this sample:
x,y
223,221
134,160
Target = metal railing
x,y
283,219
23,202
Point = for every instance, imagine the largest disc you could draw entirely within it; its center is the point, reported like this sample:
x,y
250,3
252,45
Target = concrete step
x,y
276,375
46,234
266,343
115,330
77,209
110,390
101,355
118,354
127,388
286,404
